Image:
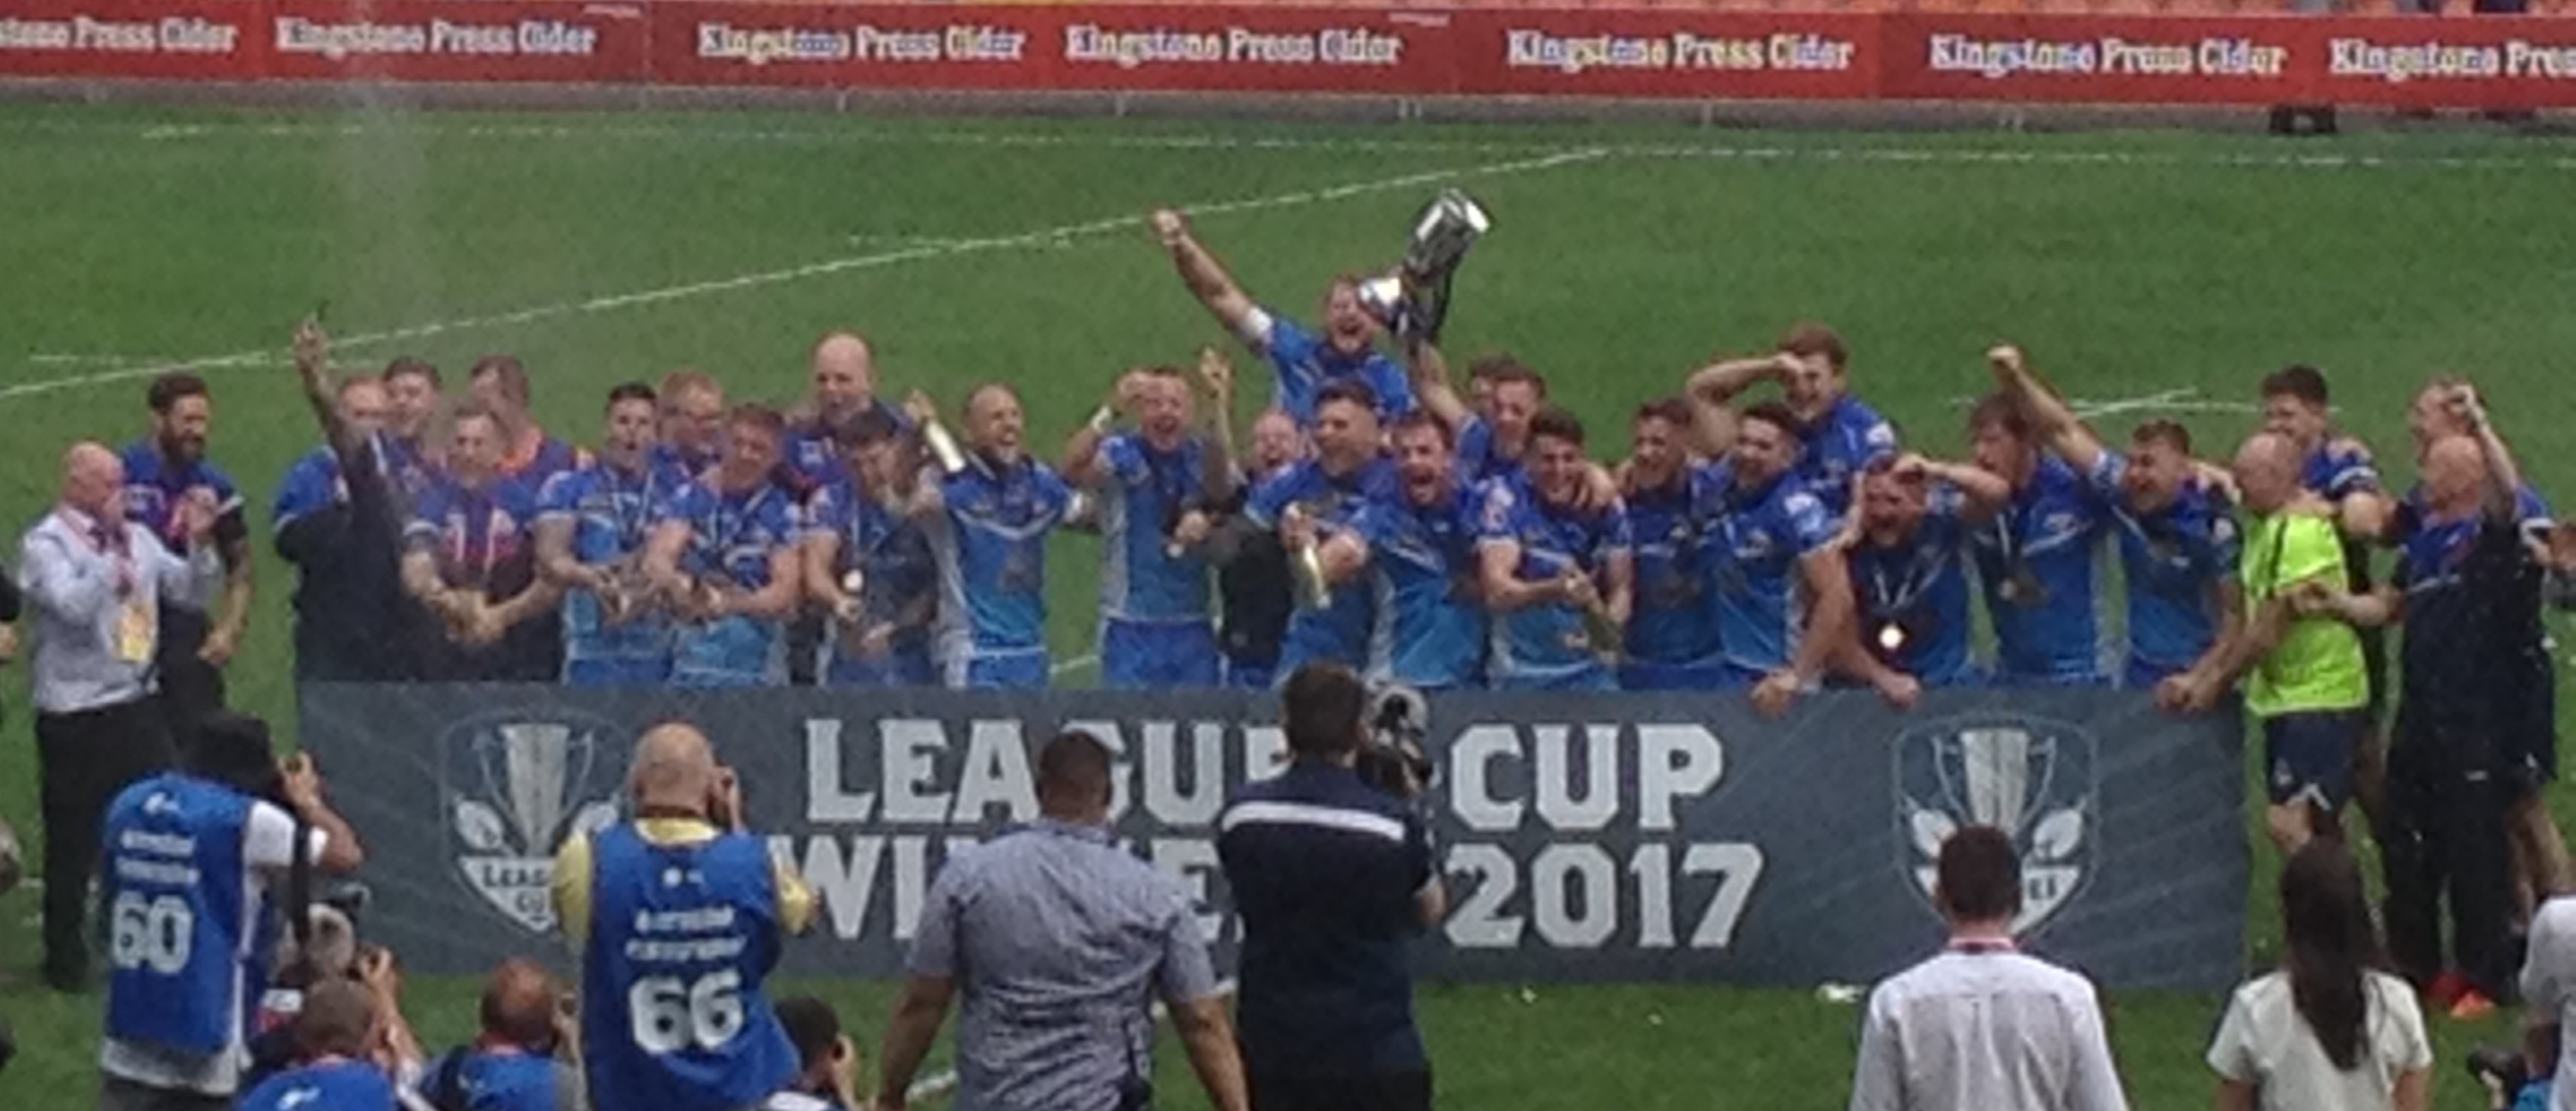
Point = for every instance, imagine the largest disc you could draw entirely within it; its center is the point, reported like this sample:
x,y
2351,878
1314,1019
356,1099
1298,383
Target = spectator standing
x,y
1306,363
1058,939
191,857
679,915
1153,487
2304,666
988,519
856,526
95,580
1333,876
467,557
500,384
2548,983
339,519
338,1026
519,1062
723,553
2328,1032
163,471
1982,1027
592,526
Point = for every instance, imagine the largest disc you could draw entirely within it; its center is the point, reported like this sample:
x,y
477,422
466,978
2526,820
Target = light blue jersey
x,y
1143,494
990,545
1673,633
1547,646
1306,364
2172,562
180,912
611,513
1429,630
2039,562
732,540
1911,597
1339,632
1841,443
1758,538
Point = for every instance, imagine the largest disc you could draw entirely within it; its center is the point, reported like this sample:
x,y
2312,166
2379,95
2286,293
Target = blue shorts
x,y
2308,755
1025,669
1140,655
729,652
2009,679
1244,675
1593,678
617,673
897,669
1651,675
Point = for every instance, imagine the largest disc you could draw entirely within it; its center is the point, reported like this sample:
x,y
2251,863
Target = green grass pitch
x,y
607,247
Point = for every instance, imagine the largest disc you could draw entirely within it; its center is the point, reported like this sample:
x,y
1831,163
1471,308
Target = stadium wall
x,y
1590,54
1644,838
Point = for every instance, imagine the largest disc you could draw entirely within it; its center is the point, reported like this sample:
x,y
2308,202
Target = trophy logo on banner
x,y
2032,778
515,790
1413,299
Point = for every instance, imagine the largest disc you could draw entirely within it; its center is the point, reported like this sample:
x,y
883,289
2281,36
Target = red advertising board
x,y
1667,54
2476,62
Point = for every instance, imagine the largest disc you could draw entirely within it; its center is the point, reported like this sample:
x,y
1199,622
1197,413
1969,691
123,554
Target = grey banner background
x,y
2154,865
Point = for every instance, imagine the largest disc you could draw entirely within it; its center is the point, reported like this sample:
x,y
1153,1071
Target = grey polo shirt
x,y
1057,940
83,592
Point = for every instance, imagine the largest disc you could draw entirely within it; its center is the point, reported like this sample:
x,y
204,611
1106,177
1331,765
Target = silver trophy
x,y
1413,300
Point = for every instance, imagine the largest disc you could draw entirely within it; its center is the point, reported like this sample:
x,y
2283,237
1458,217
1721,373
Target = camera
x,y
1395,758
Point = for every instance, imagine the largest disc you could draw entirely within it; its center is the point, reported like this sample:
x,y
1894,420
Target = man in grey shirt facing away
x,y
1059,939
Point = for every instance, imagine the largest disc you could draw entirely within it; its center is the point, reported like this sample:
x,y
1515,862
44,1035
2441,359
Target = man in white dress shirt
x,y
1982,1027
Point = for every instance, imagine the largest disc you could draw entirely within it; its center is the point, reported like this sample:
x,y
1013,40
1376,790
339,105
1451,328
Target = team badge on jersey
x,y
514,787
2031,777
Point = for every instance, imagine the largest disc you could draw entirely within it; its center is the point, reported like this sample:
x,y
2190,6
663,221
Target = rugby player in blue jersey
x,y
1314,506
1673,641
528,454
692,425
1306,363
2176,527
2335,466
592,525
2038,561
1906,546
1492,434
858,535
467,557
723,554
1429,630
843,370
410,451
1837,434
1557,577
161,471
988,519
1155,488
1783,594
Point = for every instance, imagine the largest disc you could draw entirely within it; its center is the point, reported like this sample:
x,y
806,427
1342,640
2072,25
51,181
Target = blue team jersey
x,y
1143,493
1306,364
477,1080
1912,598
2339,468
313,485
334,1085
1675,620
2171,562
1841,443
2037,563
990,543
889,552
1549,641
611,512
733,538
1340,631
1429,627
1753,547
674,467
407,463
2529,508
682,937
813,454
1479,460
549,458
177,896
154,487
479,535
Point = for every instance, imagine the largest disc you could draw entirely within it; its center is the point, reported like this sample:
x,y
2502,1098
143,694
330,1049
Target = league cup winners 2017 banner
x,y
1645,837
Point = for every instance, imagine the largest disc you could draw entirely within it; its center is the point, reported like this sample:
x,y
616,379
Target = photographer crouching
x,y
1331,868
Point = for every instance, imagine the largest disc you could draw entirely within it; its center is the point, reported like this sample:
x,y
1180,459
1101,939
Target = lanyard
x,y
1921,567
632,512
726,525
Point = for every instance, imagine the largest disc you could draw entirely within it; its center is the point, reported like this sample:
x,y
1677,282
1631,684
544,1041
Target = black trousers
x,y
1389,1091
2445,842
191,688
86,758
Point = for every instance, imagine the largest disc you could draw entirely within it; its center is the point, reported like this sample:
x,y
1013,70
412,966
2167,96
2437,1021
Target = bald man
x,y
679,916
94,582
843,373
2305,677
988,522
2468,590
519,1061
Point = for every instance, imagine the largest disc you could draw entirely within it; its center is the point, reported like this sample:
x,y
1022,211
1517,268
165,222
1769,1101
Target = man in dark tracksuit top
x,y
1333,876
339,520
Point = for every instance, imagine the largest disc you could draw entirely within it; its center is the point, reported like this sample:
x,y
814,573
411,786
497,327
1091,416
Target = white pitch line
x,y
877,260
941,1083
1075,664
